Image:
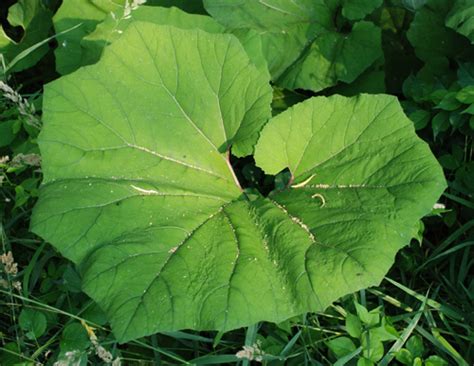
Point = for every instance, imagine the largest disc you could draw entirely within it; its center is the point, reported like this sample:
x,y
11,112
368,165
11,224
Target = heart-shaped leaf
x,y
139,192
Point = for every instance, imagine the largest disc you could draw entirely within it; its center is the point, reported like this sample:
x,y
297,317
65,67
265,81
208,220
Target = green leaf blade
x,y
140,194
35,20
359,182
226,290
112,27
337,57
357,9
461,18
142,158
69,54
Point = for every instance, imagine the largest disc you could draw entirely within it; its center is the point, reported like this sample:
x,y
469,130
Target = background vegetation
x,y
421,314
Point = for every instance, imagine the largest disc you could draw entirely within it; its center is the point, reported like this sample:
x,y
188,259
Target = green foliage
x,y
199,193
355,10
433,41
69,53
368,331
83,45
299,37
419,51
413,354
113,26
461,18
34,20
32,322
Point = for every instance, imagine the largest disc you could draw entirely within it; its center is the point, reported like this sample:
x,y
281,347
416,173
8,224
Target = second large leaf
x,y
308,44
139,192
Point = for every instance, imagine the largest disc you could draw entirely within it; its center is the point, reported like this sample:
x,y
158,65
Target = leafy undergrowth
x,y
420,314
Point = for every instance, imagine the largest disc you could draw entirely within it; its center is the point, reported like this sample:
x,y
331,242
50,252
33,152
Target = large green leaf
x,y
35,21
334,57
73,53
359,9
271,15
189,6
112,27
461,18
307,44
83,13
285,27
139,192
429,36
